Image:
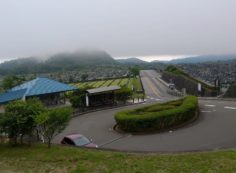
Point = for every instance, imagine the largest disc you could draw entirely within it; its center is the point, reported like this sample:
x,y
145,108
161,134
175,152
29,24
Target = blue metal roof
x,y
38,86
13,95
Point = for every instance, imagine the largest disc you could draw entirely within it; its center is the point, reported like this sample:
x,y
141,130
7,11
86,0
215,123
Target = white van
x,y
172,86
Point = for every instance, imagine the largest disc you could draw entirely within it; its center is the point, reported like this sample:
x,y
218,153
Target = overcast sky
x,y
121,27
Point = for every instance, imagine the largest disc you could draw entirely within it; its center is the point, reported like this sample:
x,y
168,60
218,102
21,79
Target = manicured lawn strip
x,y
107,83
111,82
124,82
65,159
158,116
84,84
91,84
130,84
101,83
98,84
115,82
137,84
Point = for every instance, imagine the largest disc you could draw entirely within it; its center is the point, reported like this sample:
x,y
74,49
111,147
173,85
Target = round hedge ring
x,y
159,116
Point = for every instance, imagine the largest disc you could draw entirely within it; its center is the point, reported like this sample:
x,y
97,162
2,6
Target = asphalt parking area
x,y
214,129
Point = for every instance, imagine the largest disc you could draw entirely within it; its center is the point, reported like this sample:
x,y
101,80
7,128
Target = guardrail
x,y
175,93
169,91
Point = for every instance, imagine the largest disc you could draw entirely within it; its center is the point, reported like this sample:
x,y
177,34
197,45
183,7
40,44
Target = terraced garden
x,y
132,83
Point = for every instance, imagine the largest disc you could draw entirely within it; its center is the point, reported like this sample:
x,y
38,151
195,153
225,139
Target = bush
x,y
77,101
158,116
52,122
123,94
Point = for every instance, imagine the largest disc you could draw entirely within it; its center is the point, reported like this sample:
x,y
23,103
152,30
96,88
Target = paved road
x,y
214,129
154,89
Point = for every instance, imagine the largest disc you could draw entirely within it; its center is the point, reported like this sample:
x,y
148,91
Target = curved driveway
x,y
214,129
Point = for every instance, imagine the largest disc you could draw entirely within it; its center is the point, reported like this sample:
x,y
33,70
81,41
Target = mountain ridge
x,y
57,62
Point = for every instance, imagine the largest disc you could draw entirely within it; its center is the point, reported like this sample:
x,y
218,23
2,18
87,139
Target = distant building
x,y
48,91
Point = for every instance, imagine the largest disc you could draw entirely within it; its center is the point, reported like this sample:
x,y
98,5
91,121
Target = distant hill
x,y
131,61
201,59
58,62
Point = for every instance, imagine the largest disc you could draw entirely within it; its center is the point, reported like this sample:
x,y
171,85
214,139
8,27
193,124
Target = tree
x,y
52,122
123,94
1,128
84,77
78,101
11,81
135,71
18,119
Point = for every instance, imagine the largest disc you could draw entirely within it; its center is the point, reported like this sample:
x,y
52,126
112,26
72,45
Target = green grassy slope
x,y
176,71
65,159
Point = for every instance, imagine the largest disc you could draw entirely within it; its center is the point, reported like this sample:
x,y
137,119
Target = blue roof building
x,y
39,87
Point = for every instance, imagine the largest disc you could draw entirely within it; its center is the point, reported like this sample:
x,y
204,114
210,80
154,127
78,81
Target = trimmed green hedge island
x,y
158,116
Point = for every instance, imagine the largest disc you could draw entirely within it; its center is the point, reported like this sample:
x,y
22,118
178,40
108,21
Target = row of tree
x,y
24,120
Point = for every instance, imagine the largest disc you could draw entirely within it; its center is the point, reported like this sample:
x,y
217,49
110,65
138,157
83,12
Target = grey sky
x,y
120,27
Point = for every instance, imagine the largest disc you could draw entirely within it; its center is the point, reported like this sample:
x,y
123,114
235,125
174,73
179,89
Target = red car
x,y
78,140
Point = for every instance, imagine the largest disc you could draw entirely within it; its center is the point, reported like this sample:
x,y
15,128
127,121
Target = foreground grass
x,y
66,159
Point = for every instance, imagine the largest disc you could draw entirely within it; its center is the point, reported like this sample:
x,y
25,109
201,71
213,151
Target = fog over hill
x,y
201,59
185,60
57,62
131,61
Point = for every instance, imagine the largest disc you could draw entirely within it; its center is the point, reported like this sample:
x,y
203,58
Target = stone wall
x,y
190,85
231,92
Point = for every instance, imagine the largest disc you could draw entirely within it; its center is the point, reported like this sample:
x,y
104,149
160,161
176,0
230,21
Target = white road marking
x,y
227,107
210,105
157,99
114,140
152,98
206,111
144,103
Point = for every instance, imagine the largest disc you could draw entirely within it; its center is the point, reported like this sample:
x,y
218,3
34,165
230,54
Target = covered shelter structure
x,y
50,92
101,96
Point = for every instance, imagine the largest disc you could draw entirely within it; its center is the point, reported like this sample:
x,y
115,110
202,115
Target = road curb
x,y
107,108
215,98
168,129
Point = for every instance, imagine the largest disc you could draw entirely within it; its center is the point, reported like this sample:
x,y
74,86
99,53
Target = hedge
x,y
158,116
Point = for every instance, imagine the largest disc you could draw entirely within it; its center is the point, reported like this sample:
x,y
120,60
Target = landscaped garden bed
x,y
158,116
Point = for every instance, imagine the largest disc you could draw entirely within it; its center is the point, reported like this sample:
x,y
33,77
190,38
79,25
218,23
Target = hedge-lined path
x,y
214,129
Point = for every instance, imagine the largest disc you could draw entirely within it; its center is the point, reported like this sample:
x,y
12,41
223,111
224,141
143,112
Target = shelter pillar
x,y
87,100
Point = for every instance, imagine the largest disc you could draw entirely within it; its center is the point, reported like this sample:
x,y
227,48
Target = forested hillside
x,y
58,62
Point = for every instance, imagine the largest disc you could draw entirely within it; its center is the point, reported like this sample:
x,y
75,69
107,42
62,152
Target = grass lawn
x,y
133,82
130,83
65,159
124,82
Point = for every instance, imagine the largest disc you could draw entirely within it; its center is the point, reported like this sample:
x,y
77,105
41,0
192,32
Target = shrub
x,y
52,122
18,119
77,101
158,116
123,94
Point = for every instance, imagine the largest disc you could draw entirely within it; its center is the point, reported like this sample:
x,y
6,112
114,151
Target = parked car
x,y
78,140
172,86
